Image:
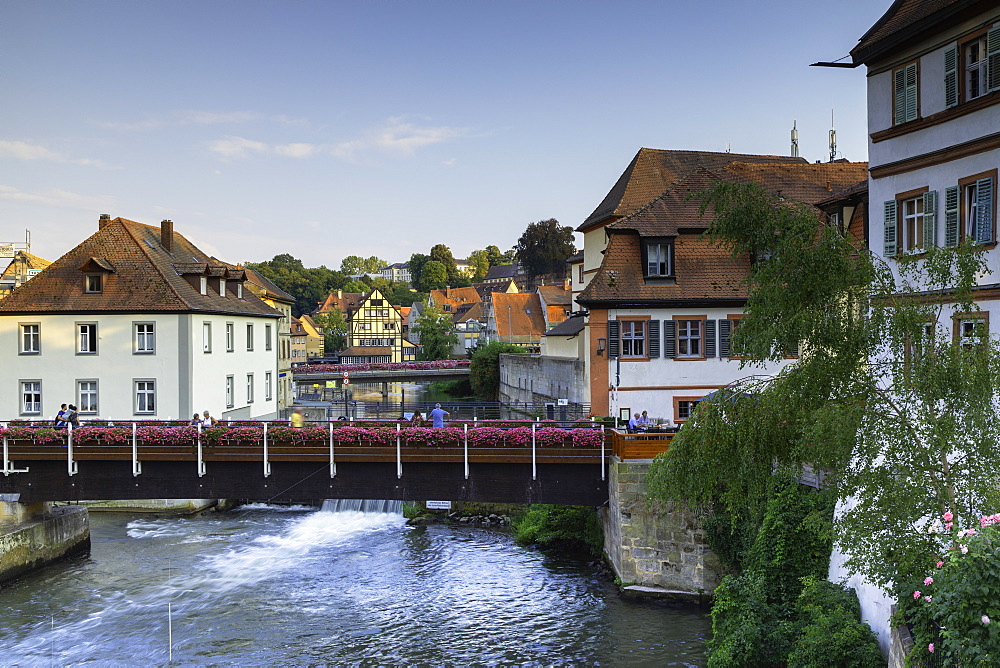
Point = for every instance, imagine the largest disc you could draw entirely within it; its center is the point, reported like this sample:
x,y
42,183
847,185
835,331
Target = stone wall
x,y
535,380
659,548
28,543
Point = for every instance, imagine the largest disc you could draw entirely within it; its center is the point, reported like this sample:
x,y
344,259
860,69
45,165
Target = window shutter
x,y
614,343
951,77
984,210
905,86
993,59
669,338
725,331
930,219
654,338
951,216
794,352
709,338
889,247
899,96
911,92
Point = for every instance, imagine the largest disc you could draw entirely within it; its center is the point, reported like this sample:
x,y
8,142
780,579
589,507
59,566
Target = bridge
x,y
284,465
399,371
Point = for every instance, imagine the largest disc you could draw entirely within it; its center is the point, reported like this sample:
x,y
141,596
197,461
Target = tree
x,y
333,325
442,254
544,247
484,369
353,264
480,262
437,334
417,262
433,277
308,285
495,256
901,413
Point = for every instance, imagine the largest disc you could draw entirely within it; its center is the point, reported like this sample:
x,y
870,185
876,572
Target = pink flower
x,y
916,595
940,564
965,549
948,517
948,526
930,648
928,580
971,532
985,619
927,598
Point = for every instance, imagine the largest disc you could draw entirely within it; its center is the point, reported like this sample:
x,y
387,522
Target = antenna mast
x,y
833,139
795,141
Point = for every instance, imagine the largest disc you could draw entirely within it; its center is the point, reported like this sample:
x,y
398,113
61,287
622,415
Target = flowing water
x,y
263,585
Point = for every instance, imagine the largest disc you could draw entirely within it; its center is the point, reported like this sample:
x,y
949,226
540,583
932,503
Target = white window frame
x,y
203,285
690,339
206,336
32,388
222,287
93,284
633,338
249,388
144,338
249,337
268,380
230,399
230,337
659,259
30,341
86,338
144,396
84,389
976,82
912,217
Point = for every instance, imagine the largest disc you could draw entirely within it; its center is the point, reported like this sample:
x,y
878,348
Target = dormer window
x,y
222,287
659,258
93,283
204,285
239,291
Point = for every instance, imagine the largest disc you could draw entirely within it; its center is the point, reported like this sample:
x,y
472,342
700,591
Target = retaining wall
x,y
49,534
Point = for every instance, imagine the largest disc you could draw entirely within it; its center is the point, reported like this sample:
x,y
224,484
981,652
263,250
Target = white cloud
x,y
55,197
236,147
402,137
24,151
297,150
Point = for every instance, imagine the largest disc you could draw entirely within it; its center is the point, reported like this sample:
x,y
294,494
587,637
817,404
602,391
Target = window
x,y
249,337
976,83
230,337
580,273
249,388
376,302
659,258
86,338
910,222
689,338
633,333
206,336
31,397
684,408
93,283
727,328
222,287
229,392
239,291
31,341
145,340
913,224
86,396
267,386
389,326
267,336
977,202
203,285
904,94
145,397
971,329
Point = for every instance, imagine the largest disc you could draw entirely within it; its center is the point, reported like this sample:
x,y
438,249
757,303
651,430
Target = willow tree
x,y
899,411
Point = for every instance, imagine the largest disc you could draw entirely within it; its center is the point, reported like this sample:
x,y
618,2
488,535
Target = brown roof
x,y
474,312
297,329
455,297
361,351
345,301
140,276
270,289
523,318
653,170
555,294
907,18
809,183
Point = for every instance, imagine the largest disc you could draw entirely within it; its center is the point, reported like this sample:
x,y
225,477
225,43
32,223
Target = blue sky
x,y
326,129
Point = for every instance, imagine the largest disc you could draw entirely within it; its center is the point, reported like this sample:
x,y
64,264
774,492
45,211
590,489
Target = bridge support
x,y
661,551
35,534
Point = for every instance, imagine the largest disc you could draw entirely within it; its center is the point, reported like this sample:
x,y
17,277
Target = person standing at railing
x,y
438,415
72,417
417,420
60,420
195,421
209,421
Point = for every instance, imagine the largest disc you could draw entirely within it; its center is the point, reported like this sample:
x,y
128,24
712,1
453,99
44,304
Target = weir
x,y
394,507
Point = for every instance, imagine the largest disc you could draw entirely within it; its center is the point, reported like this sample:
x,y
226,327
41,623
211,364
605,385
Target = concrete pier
x,y
35,534
158,506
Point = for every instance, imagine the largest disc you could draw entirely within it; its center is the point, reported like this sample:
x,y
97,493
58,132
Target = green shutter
x,y
951,216
725,331
889,246
984,210
614,342
905,86
930,219
669,338
951,77
993,59
654,338
899,96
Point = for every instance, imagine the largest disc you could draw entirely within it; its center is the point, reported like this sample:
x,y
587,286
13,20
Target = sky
x,y
327,129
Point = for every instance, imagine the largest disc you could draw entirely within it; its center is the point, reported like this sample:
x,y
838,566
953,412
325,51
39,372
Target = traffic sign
x,y
347,381
346,375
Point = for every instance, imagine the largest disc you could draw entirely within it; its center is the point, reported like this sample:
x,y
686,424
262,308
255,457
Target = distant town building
x,y
398,272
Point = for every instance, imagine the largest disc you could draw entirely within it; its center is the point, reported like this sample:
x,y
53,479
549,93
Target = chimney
x,y
167,235
104,221
340,294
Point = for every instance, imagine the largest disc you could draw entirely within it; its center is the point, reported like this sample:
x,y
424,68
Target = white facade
x,y
162,357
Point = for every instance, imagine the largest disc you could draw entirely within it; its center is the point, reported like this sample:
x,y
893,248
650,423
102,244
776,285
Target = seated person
x,y
633,424
644,420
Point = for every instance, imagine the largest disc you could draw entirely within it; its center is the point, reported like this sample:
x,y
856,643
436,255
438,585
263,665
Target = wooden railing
x,y
643,445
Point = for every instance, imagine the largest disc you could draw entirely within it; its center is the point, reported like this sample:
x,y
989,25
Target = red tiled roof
x,y
904,20
270,289
345,301
518,314
145,277
555,294
653,170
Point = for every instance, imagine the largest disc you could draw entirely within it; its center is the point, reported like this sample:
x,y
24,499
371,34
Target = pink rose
x,y
930,648
985,619
965,549
927,598
928,580
948,526
940,564
971,532
916,595
948,517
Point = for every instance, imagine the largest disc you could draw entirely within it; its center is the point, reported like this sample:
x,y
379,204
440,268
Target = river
x,y
266,585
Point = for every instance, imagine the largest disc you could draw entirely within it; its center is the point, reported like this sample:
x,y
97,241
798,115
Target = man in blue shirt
x,y
438,415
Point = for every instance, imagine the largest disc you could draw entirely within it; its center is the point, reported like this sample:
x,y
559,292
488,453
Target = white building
x,y
137,323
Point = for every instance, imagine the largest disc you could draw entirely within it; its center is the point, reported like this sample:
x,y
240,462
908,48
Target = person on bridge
x,y
195,421
60,420
438,415
209,421
297,418
417,420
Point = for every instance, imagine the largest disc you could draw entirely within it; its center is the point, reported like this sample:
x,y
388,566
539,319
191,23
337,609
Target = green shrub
x,y
565,528
830,630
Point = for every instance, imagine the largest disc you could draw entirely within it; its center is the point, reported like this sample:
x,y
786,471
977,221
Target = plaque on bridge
x,y
438,505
